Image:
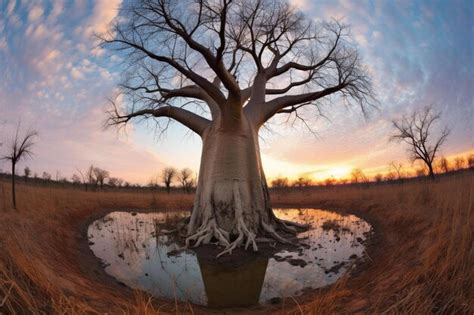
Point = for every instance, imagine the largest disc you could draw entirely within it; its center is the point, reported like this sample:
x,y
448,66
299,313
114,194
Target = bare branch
x,y
338,71
194,122
415,131
203,51
20,146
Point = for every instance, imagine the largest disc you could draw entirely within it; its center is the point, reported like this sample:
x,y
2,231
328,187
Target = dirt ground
x,y
420,258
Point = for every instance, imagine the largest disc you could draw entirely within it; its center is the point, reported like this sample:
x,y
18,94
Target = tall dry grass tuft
x,y
419,260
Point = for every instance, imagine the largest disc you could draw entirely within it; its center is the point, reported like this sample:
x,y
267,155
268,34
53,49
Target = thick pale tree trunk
x,y
232,203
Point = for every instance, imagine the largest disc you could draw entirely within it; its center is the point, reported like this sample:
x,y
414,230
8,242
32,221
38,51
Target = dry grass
x,y
421,261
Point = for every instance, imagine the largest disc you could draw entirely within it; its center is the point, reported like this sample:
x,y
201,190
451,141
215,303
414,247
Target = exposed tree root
x,y
246,236
273,233
205,233
292,227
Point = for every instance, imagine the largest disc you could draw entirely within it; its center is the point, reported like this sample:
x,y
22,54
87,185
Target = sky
x,y
54,78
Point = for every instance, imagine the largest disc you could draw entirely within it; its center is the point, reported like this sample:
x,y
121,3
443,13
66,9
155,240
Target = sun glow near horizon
x,y
319,173
276,168
339,172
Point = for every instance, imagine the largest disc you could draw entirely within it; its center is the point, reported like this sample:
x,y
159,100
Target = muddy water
x,y
134,251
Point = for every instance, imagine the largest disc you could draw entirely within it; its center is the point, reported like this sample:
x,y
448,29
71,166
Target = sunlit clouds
x,y
56,78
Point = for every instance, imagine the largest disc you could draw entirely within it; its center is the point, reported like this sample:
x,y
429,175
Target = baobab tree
x,y
20,148
416,131
223,69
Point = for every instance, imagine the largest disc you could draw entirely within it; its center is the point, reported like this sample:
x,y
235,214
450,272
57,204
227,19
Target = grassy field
x,y
421,257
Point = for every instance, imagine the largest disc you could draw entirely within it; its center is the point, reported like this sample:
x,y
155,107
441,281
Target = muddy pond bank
x,y
135,253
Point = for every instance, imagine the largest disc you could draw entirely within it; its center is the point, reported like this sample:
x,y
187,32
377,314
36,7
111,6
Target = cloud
x,y
41,78
58,79
76,74
300,4
57,9
3,43
414,60
10,7
36,12
104,13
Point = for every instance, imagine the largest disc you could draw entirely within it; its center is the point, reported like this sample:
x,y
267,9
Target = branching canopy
x,y
196,60
20,146
416,131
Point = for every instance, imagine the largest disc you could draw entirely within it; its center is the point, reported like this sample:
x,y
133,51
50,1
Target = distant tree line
x,y
95,178
170,176
395,172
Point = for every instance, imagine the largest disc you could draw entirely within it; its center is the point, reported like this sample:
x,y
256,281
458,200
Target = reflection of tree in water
x,y
128,243
138,253
233,285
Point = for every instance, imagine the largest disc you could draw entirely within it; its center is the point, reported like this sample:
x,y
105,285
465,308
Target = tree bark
x,y
13,186
232,204
431,172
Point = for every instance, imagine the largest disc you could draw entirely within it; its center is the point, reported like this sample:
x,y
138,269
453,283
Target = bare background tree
x,y
84,178
223,69
186,179
154,181
46,176
303,181
470,161
115,181
378,178
397,169
444,165
75,179
280,182
459,163
416,131
168,175
90,177
100,175
358,176
27,172
20,148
